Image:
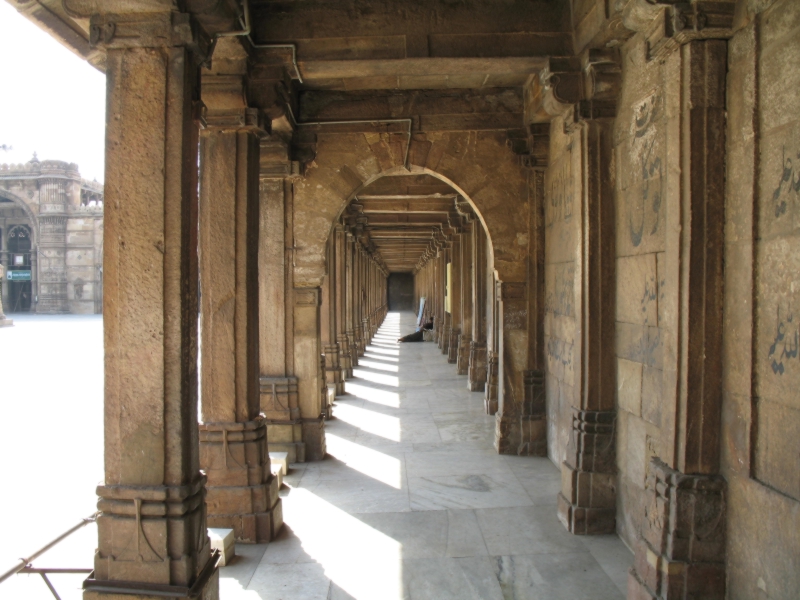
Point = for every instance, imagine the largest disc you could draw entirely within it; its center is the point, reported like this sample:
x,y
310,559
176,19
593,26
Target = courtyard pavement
x,y
412,501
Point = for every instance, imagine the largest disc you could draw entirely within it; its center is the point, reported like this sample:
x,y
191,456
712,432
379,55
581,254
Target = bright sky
x,y
51,101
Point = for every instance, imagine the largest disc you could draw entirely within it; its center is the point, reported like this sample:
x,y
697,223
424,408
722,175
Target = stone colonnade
x,y
486,327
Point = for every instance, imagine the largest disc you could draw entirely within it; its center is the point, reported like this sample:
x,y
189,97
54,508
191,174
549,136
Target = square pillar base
x,y
205,588
6,322
256,528
681,554
287,437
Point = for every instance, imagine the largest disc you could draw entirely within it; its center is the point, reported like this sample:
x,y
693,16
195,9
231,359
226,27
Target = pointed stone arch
x,y
478,165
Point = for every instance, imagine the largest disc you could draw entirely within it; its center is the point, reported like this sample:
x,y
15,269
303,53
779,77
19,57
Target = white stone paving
x,y
414,503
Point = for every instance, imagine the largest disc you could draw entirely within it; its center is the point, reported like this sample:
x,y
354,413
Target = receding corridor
x,y
414,502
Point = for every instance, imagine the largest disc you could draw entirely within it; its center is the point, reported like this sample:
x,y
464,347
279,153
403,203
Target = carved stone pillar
x,y
454,330
242,492
513,342
682,551
330,349
587,502
278,385
308,370
152,526
465,337
533,416
341,284
476,380
352,340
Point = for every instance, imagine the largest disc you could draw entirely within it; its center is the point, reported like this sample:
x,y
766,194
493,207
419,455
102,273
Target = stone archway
x,y
14,292
482,168
478,165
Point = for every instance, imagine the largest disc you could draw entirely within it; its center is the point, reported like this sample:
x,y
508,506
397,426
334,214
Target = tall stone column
x,y
533,416
330,348
465,337
587,502
339,300
682,551
455,300
492,346
350,301
242,492
152,526
278,385
476,381
307,369
511,360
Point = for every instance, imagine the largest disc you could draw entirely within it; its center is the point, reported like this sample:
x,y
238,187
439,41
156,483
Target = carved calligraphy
x,y
787,186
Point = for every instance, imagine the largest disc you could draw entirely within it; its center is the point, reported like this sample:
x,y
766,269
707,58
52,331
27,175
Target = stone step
x,y
280,459
224,541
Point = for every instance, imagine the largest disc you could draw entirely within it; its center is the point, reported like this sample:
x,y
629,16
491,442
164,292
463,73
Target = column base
x,y
205,588
287,437
490,402
506,434
6,322
452,346
477,367
248,528
586,521
533,434
681,554
314,438
462,360
588,500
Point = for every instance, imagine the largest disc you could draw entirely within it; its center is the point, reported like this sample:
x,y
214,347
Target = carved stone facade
x,y
51,239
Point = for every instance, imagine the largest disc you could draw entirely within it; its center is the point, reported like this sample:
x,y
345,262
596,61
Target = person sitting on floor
x,y
417,335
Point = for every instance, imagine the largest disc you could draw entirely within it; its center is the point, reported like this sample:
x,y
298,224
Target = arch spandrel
x,y
478,165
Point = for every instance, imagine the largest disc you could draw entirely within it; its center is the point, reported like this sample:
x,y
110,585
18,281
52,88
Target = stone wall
x,y
760,410
640,151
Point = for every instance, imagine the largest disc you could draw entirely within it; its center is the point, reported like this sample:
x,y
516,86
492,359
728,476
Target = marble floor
x,y
413,502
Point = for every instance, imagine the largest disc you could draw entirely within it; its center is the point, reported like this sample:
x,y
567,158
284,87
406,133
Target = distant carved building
x,y
51,238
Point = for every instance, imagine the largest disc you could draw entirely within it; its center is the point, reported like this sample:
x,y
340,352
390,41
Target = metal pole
x,y
23,562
